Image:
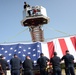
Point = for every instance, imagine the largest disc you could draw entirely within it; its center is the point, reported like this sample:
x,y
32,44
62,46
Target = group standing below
x,y
55,61
42,62
69,64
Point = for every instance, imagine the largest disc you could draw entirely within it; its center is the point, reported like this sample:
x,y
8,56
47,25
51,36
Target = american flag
x,y
60,45
33,50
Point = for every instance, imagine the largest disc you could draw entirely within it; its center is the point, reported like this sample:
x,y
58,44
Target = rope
x,y
44,39
16,35
58,31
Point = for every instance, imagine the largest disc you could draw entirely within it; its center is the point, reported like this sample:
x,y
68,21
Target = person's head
x,y
55,53
24,2
41,54
15,55
67,51
2,56
27,57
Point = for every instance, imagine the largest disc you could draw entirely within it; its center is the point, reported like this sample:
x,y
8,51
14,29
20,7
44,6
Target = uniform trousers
x,y
69,70
15,72
43,71
57,71
28,72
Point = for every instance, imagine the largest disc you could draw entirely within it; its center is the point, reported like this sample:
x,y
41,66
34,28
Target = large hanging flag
x,y
60,45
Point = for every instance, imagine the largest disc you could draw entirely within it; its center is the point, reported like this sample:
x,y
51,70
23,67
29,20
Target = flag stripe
x,y
57,47
50,48
63,45
45,49
73,40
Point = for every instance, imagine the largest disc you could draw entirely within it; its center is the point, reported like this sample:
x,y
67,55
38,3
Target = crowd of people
x,y
55,61
42,62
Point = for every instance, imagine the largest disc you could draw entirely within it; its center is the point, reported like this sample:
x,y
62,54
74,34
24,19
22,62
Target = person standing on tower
x,y
25,6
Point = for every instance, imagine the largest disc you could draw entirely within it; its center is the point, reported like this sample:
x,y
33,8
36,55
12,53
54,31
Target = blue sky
x,y
62,14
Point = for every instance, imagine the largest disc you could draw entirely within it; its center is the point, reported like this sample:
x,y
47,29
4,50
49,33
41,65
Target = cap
x,y
1,56
41,54
15,54
67,51
55,53
25,2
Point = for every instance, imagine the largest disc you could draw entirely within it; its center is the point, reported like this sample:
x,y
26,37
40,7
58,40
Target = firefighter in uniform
x,y
69,63
42,62
55,60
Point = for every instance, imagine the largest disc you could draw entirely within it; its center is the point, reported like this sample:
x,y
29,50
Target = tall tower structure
x,y
35,17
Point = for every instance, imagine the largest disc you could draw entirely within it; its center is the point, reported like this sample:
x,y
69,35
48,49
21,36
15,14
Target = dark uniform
x,y
25,6
4,64
15,65
28,66
42,62
56,64
69,63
